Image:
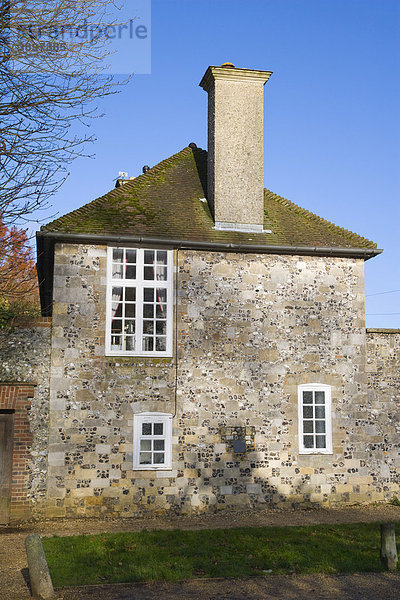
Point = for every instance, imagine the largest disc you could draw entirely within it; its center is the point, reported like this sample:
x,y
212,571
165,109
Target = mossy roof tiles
x,y
165,203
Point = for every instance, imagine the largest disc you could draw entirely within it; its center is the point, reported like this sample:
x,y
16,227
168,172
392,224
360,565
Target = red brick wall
x,y
17,397
43,322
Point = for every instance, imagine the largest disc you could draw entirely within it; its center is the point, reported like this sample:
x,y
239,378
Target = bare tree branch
x,y
51,72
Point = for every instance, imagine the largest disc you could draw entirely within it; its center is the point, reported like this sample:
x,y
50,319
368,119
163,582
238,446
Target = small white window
x,y
139,302
152,441
315,424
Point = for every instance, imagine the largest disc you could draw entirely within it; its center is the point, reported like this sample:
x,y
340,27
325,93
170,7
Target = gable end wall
x,y
250,330
241,356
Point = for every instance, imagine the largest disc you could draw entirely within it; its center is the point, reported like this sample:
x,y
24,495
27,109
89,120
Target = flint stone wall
x,y
383,421
25,359
250,330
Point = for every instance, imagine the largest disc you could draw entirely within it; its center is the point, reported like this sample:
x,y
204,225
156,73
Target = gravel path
x,y
13,566
383,586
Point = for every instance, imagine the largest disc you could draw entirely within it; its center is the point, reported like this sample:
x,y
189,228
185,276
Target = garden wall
x,y
383,408
24,391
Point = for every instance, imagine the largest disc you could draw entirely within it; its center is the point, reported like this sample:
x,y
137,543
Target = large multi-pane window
x,y
152,441
315,429
139,302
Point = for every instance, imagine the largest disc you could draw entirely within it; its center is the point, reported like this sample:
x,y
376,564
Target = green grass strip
x,y
242,552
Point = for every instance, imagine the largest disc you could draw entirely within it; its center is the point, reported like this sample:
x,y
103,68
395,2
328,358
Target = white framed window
x,y
315,420
139,302
152,441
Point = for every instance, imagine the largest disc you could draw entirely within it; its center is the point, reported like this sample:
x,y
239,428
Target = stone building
x,y
207,346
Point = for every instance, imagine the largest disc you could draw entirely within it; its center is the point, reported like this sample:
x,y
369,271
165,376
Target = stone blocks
x,y
268,324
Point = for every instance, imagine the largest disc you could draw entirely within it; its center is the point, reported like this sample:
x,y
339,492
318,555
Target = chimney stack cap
x,y
233,73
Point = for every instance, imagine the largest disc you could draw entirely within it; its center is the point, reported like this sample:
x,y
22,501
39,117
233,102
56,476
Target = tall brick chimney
x,y
236,146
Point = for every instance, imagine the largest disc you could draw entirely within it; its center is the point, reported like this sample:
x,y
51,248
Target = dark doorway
x,y
6,451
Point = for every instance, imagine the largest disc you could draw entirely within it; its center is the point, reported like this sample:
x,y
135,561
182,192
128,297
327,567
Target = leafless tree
x,y
51,72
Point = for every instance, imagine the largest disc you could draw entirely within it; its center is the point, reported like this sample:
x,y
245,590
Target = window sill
x,y
150,468
130,361
134,355
313,452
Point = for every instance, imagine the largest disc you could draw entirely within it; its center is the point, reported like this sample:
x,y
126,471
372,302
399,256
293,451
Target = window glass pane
x,y
320,426
129,326
159,444
148,310
145,458
130,294
161,327
321,441
158,428
130,256
116,326
319,397
308,426
130,310
161,311
148,327
161,344
161,294
161,273
320,412
116,342
118,254
145,444
130,343
146,428
307,397
148,344
117,294
117,271
148,294
117,309
148,257
161,257
130,272
149,273
307,412
158,458
308,441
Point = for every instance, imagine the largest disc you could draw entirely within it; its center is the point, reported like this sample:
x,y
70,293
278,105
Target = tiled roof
x,y
167,202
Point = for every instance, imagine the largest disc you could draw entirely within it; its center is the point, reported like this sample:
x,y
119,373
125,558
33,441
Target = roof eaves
x,y
360,252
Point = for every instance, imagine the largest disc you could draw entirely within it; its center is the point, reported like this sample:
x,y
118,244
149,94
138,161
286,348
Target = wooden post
x,y
42,587
388,546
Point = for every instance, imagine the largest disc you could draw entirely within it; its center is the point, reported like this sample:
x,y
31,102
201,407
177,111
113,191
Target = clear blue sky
x,y
332,124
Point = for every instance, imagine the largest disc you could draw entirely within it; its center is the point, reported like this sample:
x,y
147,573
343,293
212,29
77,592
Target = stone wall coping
x,y
19,383
383,330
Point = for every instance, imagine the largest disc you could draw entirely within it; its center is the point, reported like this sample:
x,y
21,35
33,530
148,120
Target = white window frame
x,y
152,417
315,387
140,283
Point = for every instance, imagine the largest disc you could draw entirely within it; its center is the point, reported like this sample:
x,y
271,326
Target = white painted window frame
x,y
152,417
140,283
316,387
